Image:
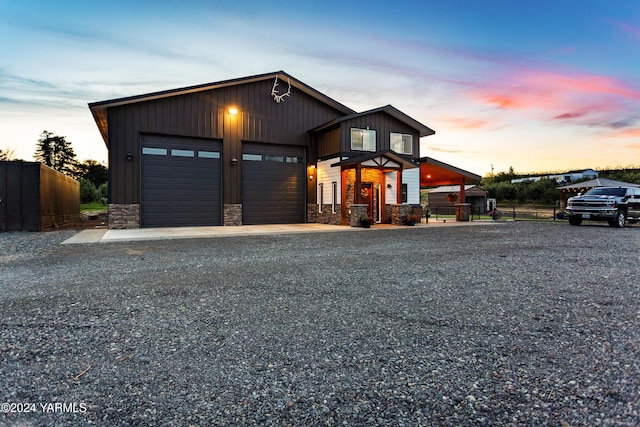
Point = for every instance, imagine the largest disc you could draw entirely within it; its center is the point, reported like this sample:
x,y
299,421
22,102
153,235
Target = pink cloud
x,y
467,123
447,150
580,84
566,116
560,96
628,133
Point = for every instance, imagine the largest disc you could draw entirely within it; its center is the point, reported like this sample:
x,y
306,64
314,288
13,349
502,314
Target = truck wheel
x,y
621,217
575,220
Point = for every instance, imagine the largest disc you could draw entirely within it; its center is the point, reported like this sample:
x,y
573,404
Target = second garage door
x,y
273,184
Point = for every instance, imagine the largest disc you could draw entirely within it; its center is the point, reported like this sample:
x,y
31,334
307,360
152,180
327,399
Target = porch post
x,y
382,202
399,186
343,196
462,191
358,185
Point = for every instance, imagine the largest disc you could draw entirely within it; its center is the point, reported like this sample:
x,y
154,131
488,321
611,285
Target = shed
x,y
439,199
34,197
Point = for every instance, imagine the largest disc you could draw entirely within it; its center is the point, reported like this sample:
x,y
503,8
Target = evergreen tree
x,y
56,152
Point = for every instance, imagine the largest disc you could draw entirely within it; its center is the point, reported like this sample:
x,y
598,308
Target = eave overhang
x,y
387,160
99,109
435,173
388,109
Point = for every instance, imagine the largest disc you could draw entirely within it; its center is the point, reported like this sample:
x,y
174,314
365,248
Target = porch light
x,y
312,168
233,111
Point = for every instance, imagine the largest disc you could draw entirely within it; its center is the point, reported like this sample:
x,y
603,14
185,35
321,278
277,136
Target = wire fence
x,y
515,212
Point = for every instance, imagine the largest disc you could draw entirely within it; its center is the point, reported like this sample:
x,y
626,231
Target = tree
x,y
8,154
88,192
56,152
93,171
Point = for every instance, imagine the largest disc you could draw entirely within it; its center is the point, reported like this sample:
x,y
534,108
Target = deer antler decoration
x,y
276,96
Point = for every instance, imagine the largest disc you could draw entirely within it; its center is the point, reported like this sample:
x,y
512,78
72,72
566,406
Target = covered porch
x,y
373,185
434,173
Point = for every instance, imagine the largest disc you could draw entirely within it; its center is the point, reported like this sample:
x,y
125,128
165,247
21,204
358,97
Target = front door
x,y
366,195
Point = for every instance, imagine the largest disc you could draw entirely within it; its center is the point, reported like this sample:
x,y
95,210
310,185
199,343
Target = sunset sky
x,y
545,85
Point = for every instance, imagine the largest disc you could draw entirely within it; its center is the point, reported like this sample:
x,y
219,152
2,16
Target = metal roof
x,y
435,173
388,109
377,159
453,188
99,109
599,182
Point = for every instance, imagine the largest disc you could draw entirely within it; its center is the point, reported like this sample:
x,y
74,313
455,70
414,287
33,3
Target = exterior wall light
x,y
312,168
233,111
234,161
129,156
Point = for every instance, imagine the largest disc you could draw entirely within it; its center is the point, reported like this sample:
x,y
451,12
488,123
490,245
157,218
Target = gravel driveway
x,y
507,324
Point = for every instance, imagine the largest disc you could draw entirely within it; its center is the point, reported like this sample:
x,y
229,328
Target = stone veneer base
x,y
124,216
233,214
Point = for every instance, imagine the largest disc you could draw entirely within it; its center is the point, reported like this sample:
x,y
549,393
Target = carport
x,y
434,173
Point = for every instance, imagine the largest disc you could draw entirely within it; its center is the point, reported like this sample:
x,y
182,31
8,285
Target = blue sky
x,y
544,85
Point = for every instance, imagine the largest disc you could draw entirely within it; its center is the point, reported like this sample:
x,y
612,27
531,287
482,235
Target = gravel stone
x,y
517,324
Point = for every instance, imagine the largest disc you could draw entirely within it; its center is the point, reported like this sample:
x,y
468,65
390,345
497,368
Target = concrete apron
x,y
137,234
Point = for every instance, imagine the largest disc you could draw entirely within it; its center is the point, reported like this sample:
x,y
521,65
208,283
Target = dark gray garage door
x,y
180,182
273,184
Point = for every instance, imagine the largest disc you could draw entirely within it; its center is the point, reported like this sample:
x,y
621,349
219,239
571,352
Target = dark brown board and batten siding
x,y
204,114
384,124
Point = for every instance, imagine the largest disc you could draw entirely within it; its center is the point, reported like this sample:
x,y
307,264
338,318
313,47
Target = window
x,y
154,151
363,139
334,196
209,154
252,157
182,153
405,193
321,191
402,143
277,159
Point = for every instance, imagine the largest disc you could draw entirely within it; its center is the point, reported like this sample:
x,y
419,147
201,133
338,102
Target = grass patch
x,y
93,207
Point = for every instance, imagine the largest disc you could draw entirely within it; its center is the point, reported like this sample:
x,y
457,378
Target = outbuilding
x,y
34,197
443,199
264,149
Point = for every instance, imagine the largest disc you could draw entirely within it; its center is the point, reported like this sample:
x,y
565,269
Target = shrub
x,y
88,192
103,189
